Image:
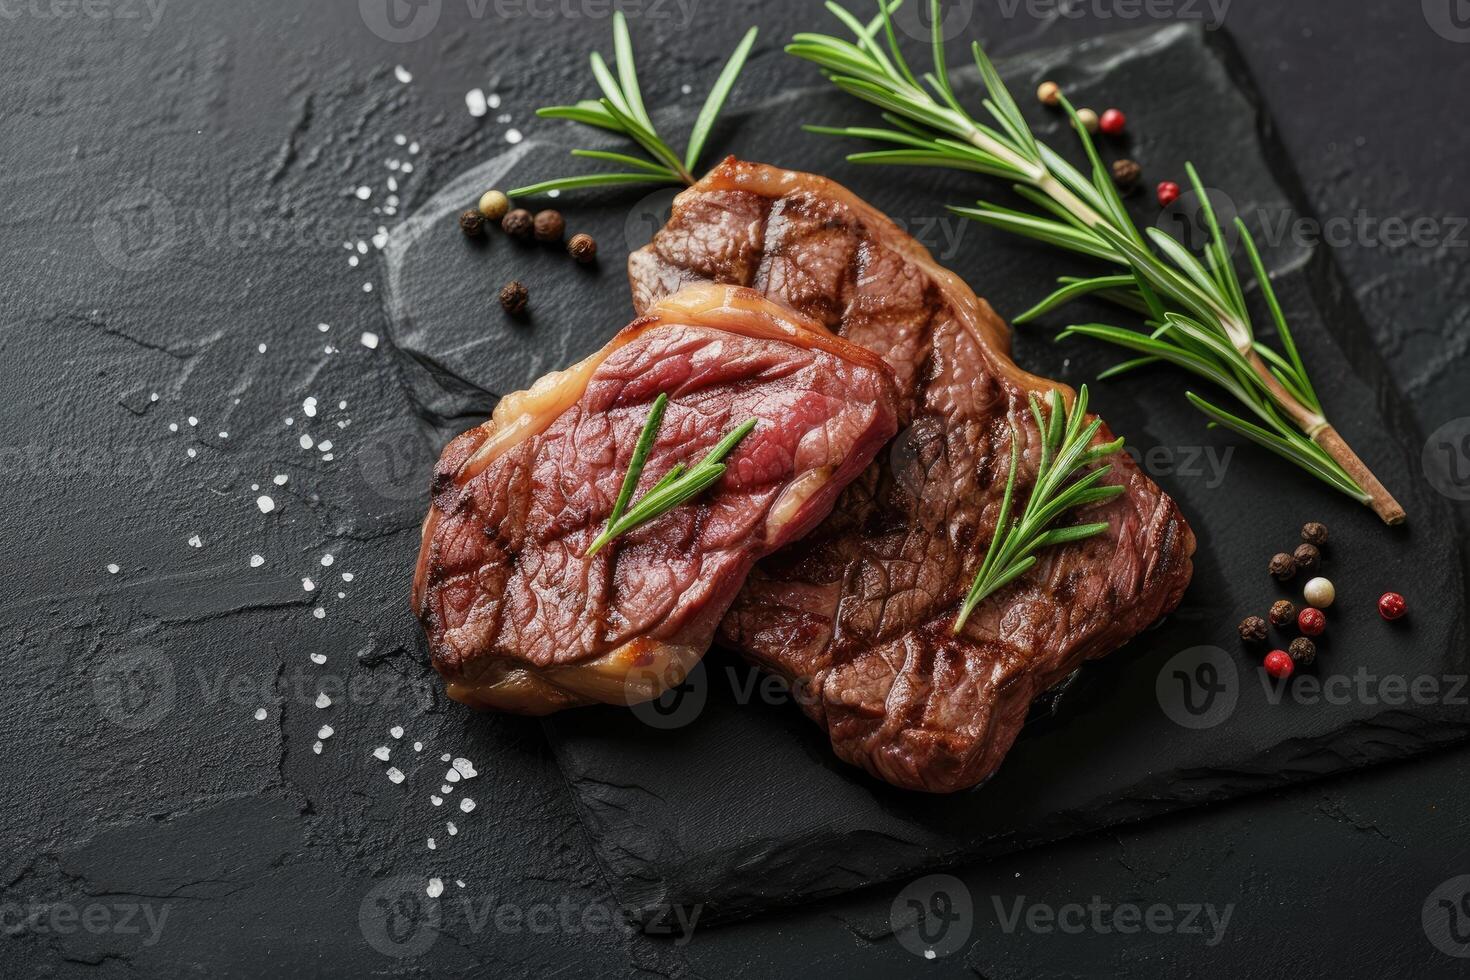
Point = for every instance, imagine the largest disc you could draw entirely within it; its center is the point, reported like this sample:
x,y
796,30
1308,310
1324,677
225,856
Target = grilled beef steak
x,y
861,611
518,618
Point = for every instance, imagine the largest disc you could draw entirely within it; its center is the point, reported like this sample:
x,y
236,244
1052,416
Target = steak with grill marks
x,y
519,618
859,613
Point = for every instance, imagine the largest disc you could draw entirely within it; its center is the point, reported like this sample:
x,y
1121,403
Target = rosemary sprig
x,y
621,110
1064,454
678,486
1196,314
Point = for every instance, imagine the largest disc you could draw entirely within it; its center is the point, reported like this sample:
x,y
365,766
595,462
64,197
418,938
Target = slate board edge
x,y
651,906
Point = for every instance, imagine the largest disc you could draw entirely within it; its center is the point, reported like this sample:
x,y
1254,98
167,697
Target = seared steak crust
x,y
861,610
518,618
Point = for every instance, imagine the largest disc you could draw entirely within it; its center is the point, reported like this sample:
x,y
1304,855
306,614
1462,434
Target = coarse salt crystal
x,y
449,826
196,542
436,800
466,804
381,753
265,503
257,560
113,569
513,136
395,774
396,731
317,747
308,584
319,613
402,74
363,192
324,732
465,768
322,701
327,559
260,714
436,888
369,340
347,576
318,658
474,101
280,479
305,441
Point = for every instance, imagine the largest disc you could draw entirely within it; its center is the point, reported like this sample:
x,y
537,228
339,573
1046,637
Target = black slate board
x,y
732,800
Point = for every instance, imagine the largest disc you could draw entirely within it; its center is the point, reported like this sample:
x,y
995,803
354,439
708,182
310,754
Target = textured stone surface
x,y
253,123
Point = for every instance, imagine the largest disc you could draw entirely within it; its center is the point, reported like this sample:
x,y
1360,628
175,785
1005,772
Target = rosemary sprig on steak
x,y
1064,454
1195,311
621,110
678,486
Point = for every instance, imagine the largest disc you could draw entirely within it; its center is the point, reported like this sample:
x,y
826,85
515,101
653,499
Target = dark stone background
x,y
179,181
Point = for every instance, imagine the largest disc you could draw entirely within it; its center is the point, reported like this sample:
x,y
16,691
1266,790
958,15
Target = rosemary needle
x,y
1064,455
621,110
678,486
1196,316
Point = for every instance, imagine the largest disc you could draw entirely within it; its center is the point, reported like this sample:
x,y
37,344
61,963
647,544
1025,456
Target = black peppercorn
x,y
472,223
1126,174
1306,557
1283,567
1253,629
517,223
1314,533
549,226
1282,612
513,297
1303,651
582,248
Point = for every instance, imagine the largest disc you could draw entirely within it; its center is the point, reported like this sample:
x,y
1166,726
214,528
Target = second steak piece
x,y
860,612
519,617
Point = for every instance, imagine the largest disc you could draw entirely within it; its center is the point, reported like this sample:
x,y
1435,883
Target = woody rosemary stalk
x,y
1196,314
621,110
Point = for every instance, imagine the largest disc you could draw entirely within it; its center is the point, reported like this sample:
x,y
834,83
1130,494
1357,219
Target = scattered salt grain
x,y
260,347
347,576
436,800
192,453
260,714
280,479
196,542
367,287
317,747
327,559
474,101
318,658
265,503
306,441
452,776
465,768
449,826
323,327
513,136
308,584
364,192
402,74
369,340
493,100
309,407
445,757
418,746
173,427
446,789
324,732
223,434
319,613
193,420
395,775
466,804
432,845
459,882
396,731
256,561
325,445
381,753
436,888
400,139
113,569
322,701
